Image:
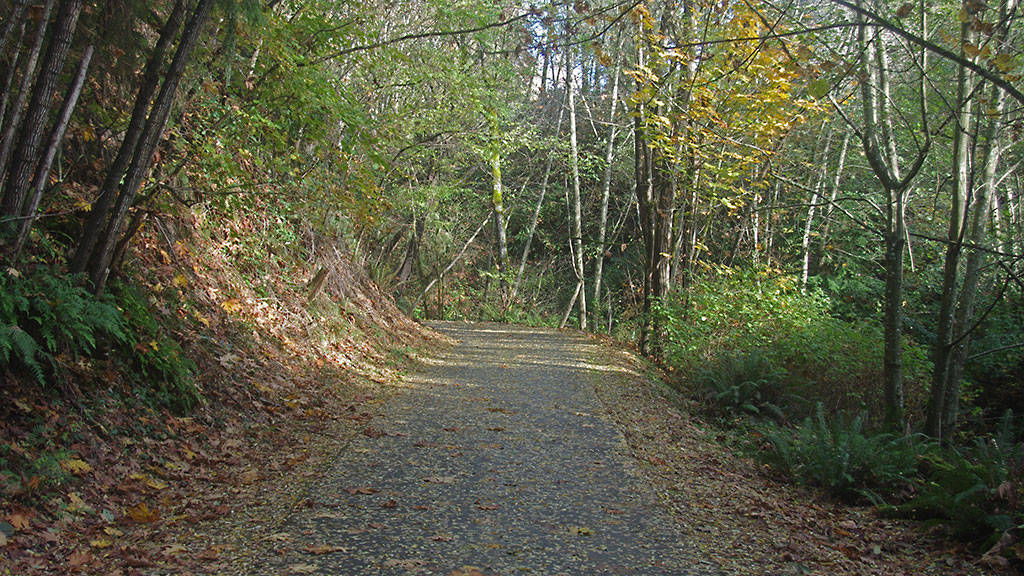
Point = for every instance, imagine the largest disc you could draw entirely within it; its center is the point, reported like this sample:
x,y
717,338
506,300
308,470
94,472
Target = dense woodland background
x,y
810,213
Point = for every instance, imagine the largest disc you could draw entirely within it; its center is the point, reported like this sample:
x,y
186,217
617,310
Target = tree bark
x,y
958,213
536,213
880,149
28,215
143,158
12,115
26,147
577,212
606,185
954,333
137,126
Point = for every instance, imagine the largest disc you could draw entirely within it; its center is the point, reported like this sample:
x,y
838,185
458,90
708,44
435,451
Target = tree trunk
x,y
805,241
953,342
606,184
142,160
536,213
137,126
412,250
27,150
883,157
28,215
958,213
577,211
13,115
15,17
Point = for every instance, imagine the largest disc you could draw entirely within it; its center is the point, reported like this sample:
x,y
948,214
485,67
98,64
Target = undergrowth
x,y
761,354
841,456
48,318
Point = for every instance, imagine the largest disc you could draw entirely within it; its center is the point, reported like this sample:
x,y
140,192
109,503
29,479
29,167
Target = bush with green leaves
x,y
739,383
823,358
44,315
977,490
163,373
842,457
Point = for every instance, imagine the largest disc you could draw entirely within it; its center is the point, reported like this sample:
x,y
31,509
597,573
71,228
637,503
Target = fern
x,y
841,457
25,349
46,313
741,383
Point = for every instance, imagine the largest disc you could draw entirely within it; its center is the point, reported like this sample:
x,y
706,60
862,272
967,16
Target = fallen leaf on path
x,y
303,568
361,490
76,466
174,549
580,531
467,571
323,549
439,479
143,514
18,521
78,559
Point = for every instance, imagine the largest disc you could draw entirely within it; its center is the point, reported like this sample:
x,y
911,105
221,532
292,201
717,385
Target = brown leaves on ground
x,y
141,487
738,516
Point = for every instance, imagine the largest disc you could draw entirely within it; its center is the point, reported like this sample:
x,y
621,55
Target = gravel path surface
x,y
498,460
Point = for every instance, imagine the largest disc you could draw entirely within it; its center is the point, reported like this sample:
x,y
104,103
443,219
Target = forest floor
x,y
212,497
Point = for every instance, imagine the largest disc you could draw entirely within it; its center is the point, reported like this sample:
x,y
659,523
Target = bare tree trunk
x,y
26,154
965,317
13,115
953,337
28,215
137,126
143,158
958,211
577,221
836,181
879,144
15,17
805,241
606,185
440,277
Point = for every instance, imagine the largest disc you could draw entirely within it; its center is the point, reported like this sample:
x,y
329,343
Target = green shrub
x,y
976,490
841,457
824,359
44,314
742,383
161,370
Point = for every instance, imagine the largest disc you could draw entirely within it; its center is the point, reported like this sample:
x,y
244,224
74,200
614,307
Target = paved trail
x,y
498,458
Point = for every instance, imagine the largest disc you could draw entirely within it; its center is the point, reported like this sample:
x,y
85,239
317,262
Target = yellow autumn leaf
x,y
101,543
76,504
76,466
1004,62
231,305
142,513
180,281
